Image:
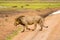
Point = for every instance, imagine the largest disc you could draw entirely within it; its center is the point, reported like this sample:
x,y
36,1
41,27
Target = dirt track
x,y
7,27
52,33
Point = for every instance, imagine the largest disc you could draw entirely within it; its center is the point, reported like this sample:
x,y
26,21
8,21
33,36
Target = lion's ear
x,y
21,16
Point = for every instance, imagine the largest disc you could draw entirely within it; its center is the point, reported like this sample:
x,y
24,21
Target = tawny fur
x,y
29,20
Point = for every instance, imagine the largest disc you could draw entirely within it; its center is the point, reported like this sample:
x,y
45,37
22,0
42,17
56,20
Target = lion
x,y
29,20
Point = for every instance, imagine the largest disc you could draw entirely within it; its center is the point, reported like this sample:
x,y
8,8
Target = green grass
x,y
10,36
31,5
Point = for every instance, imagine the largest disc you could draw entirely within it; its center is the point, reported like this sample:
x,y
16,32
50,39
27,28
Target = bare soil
x,y
7,24
50,33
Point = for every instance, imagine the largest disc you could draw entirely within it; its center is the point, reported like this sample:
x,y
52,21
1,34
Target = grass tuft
x,y
14,33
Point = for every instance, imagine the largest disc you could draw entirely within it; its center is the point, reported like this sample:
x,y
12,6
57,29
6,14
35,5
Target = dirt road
x,y
7,27
51,33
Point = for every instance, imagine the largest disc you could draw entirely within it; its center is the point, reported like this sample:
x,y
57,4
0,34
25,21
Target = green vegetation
x,y
33,5
10,36
9,5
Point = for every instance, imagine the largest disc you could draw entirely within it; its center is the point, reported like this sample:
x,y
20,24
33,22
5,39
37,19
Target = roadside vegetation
x,y
22,5
34,5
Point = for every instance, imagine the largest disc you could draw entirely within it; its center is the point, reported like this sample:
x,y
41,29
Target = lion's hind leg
x,y
41,22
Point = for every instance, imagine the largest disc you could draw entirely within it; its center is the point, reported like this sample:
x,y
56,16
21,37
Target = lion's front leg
x,y
23,29
35,25
29,28
26,25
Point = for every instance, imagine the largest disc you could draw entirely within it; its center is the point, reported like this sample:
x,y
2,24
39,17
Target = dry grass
x,y
7,23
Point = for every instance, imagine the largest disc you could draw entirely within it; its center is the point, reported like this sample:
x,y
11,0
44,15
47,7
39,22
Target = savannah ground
x,y
8,13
